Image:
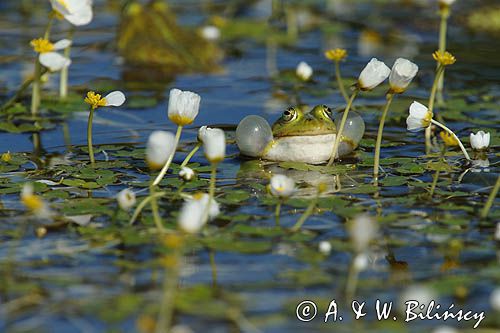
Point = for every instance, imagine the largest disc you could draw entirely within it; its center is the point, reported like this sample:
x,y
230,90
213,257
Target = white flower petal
x,y
183,106
282,186
126,199
54,61
214,144
62,44
304,71
160,146
115,98
402,73
480,140
374,73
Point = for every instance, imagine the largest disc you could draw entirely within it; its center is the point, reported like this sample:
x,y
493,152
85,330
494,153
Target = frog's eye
x,y
327,110
289,115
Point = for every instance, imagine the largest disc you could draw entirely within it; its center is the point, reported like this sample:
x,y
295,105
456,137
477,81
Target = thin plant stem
x,y
306,215
155,209
213,267
213,176
63,79
454,136
339,81
437,174
89,136
491,199
341,127
170,282
376,163
191,154
20,90
277,213
35,95
434,183
143,204
352,280
432,98
442,47
171,157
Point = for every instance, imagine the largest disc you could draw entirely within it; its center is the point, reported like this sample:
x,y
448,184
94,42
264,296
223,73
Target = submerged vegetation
x,y
140,229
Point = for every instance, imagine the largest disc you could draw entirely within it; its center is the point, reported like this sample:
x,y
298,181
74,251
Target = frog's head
x,y
295,122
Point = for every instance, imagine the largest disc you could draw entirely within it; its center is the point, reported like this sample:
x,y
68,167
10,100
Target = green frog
x,y
298,136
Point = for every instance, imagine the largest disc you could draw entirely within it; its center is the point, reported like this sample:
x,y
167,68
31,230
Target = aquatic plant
x,y
374,73
95,101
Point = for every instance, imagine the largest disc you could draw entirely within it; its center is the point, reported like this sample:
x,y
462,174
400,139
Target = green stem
x,y
191,154
213,267
89,136
155,209
167,304
491,199
170,158
442,47
352,280
376,163
432,98
340,130
63,79
213,175
20,90
143,204
306,214
434,183
35,96
454,136
277,213
339,81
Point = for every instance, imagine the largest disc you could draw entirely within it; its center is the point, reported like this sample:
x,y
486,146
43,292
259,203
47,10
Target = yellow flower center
x,y
336,54
444,58
32,202
426,121
173,241
42,45
448,139
95,100
180,120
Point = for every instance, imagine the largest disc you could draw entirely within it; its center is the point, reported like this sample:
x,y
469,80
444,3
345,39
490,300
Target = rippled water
x,y
100,278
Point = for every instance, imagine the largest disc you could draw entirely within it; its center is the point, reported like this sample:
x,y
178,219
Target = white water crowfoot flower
x,y
210,32
214,143
304,71
76,12
420,117
374,73
159,148
282,186
183,106
186,173
126,199
402,73
480,140
192,216
325,247
34,202
115,98
47,55
362,230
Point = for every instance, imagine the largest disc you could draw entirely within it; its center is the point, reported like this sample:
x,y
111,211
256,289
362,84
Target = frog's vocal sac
x,y
298,136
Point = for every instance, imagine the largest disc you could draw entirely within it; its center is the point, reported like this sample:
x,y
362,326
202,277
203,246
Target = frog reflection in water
x,y
298,136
